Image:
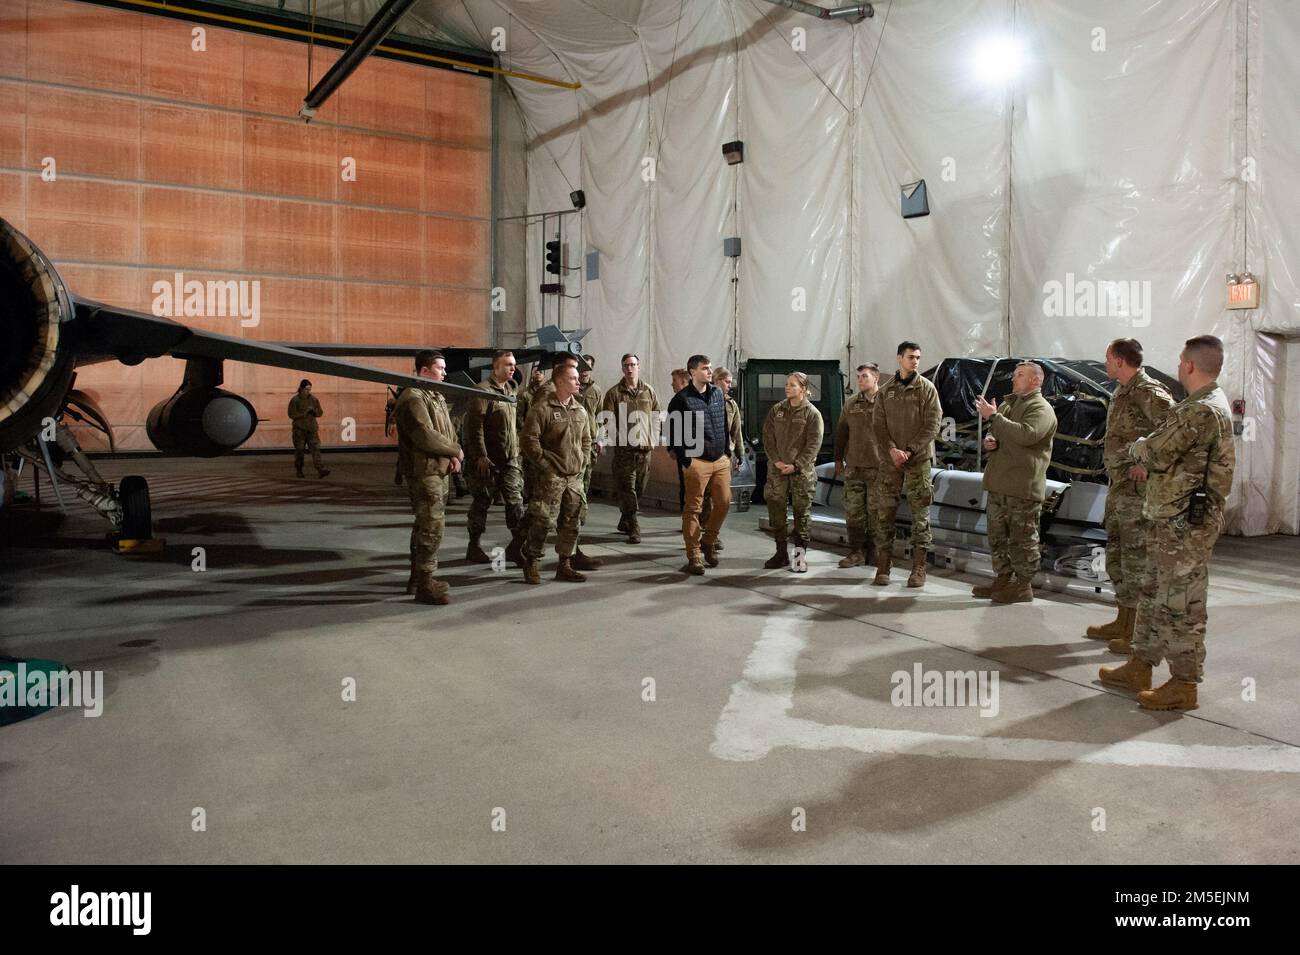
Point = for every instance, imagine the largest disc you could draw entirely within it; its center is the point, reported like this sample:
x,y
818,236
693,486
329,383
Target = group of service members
x,y
1169,466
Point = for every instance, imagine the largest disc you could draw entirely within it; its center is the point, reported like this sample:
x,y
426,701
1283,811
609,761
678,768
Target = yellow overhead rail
x,y
317,35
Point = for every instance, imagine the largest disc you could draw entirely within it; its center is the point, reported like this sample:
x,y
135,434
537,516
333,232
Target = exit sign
x,y
1243,294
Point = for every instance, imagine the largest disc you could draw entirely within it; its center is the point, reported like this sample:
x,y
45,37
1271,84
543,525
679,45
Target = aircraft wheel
x,y
137,515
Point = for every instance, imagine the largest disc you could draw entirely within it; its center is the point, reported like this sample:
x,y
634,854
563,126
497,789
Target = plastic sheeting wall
x,y
1156,145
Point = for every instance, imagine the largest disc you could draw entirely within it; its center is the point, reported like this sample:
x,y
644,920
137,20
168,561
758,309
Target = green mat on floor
x,y
12,698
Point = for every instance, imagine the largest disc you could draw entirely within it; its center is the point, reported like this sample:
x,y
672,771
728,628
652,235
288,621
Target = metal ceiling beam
x,y
371,35
853,12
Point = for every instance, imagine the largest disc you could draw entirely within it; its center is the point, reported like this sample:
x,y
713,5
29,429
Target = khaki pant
x,y
700,478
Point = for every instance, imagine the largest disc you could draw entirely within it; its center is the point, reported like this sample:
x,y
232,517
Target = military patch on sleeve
x,y
557,415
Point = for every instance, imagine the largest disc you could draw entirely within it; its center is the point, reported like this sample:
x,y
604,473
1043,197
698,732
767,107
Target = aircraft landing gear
x,y
136,536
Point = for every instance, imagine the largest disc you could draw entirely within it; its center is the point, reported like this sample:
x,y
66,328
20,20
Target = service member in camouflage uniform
x,y
1189,460
427,452
304,409
735,437
1019,442
908,415
857,463
492,463
524,399
557,439
1138,406
792,436
632,409
591,398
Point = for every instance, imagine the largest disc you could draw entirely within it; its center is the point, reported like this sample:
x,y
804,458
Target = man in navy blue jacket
x,y
698,435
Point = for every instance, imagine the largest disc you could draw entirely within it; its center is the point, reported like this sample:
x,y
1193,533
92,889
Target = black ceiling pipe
x,y
371,35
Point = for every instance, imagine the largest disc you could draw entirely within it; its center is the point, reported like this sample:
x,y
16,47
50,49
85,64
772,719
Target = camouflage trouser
x,y
586,485
1171,612
914,483
557,502
429,501
1126,543
508,480
530,479
1013,535
799,487
631,472
862,520
306,441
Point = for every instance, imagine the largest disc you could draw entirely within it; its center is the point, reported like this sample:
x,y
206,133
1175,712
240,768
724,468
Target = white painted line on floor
x,y
757,719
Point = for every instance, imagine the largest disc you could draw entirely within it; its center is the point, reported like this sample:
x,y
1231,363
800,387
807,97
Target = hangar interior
x,y
1091,171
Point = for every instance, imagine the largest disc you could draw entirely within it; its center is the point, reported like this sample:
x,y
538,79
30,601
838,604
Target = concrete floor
x,y
772,695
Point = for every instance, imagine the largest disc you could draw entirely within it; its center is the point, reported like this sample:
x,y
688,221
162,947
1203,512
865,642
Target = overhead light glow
x,y
999,60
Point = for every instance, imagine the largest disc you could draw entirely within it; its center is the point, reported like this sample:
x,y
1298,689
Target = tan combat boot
x,y
1134,675
475,554
633,530
1121,646
566,572
985,591
884,556
1017,591
580,561
1121,626
1174,695
622,524
430,591
917,577
780,559
693,566
855,557
531,576
710,553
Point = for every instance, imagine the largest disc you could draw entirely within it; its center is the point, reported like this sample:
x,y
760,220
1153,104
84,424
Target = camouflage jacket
x,y
1197,431
524,399
300,412
793,435
591,399
735,436
635,414
490,428
1024,426
855,435
1135,411
908,418
426,440
557,437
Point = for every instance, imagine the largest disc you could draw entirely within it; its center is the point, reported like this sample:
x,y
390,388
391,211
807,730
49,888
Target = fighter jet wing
x,y
130,337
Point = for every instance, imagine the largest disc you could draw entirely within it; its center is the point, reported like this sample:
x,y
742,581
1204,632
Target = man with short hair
x,y
1189,461
735,438
304,410
632,408
537,381
492,463
681,378
557,438
907,420
427,452
857,462
1138,406
591,398
1019,446
705,463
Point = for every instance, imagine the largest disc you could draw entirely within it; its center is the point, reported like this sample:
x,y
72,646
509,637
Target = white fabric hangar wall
x,y
1148,149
